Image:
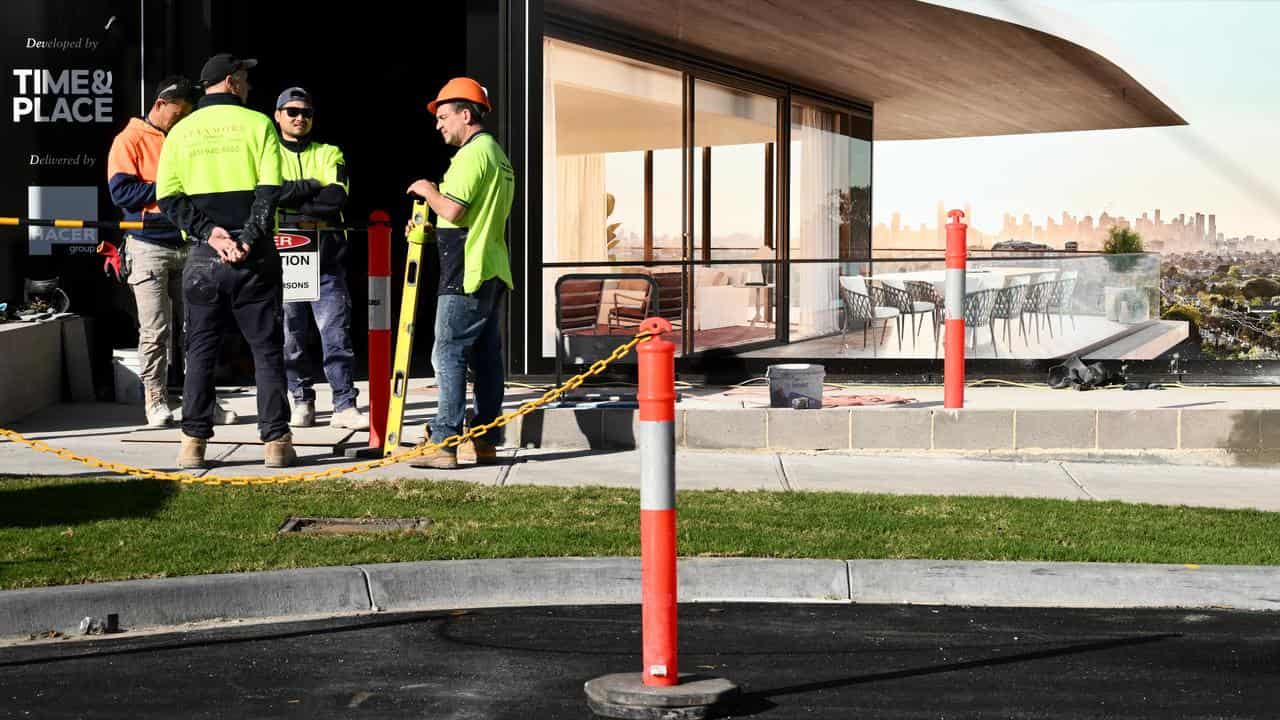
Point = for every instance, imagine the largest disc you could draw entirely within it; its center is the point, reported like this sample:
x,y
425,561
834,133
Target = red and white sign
x,y
286,241
301,267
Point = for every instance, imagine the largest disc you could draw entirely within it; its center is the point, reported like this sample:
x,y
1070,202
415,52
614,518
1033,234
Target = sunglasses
x,y
294,112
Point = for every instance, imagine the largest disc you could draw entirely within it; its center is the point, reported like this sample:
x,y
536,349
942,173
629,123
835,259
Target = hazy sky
x,y
1212,61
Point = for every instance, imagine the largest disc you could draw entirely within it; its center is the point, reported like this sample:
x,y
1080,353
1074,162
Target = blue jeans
x,y
332,313
469,332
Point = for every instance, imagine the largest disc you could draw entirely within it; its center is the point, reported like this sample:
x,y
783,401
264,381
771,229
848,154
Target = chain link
x,y
451,442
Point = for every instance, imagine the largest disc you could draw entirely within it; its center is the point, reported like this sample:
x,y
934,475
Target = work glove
x,y
112,263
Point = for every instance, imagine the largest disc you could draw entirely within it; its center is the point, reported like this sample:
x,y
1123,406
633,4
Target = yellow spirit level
x,y
420,232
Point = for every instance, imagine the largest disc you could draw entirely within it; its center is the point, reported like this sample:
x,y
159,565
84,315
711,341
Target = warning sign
x,y
300,259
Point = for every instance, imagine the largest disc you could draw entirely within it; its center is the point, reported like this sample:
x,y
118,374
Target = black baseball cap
x,y
176,87
221,65
291,94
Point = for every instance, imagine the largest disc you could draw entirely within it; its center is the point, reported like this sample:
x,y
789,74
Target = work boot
x,y
157,408
223,415
350,418
437,459
191,453
304,414
486,452
279,453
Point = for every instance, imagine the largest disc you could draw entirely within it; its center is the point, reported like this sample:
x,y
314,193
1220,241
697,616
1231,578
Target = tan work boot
x,y
191,454
486,452
279,453
157,408
438,459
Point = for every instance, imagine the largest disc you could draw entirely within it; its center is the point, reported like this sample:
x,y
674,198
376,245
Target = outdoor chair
x,y
899,297
866,305
577,315
922,291
1036,302
1008,307
1062,299
978,307
631,308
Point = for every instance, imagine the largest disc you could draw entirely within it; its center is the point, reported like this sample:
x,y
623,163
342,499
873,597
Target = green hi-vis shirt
x,y
481,180
218,156
317,162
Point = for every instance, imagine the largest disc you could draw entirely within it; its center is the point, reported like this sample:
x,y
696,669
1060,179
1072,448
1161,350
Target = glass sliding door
x,y
830,212
733,247
612,184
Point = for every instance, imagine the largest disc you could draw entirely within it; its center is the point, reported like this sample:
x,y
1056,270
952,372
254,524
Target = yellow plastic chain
x,y
188,479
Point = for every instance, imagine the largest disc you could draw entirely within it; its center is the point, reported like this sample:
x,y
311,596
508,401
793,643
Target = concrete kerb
x,y
454,584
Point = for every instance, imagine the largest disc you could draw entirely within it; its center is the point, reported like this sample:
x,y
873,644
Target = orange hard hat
x,y
462,88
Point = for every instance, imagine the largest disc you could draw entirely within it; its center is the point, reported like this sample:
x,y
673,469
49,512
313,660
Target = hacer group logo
x,y
286,241
73,96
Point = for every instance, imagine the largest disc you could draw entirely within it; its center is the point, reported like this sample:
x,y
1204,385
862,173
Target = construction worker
x,y
219,181
153,256
313,195
472,203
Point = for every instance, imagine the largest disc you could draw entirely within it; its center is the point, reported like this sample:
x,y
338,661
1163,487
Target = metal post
x,y
953,364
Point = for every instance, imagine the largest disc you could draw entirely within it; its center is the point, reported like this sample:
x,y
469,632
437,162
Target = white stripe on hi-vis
x,y
379,303
955,293
657,465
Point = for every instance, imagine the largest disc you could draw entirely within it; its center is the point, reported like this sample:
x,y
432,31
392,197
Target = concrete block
x,y
1032,584
973,429
1137,429
620,428
30,380
1226,429
808,429
560,428
497,583
1055,429
75,356
1270,423
891,428
173,601
724,429
762,579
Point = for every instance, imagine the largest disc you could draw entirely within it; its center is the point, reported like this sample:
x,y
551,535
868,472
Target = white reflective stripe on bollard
x,y
955,293
657,465
379,303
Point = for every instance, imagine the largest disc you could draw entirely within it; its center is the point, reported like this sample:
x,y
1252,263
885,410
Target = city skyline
x,y
1169,232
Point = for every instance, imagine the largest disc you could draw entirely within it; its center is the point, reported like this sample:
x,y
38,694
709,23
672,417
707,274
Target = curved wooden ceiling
x,y
929,71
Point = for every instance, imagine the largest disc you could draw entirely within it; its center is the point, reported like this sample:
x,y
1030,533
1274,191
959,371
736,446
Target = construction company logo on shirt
x,y
76,95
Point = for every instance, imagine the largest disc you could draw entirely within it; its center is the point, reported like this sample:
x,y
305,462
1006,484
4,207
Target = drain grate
x,y
353,526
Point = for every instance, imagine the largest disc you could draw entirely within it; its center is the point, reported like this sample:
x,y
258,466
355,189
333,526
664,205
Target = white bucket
x,y
127,371
796,385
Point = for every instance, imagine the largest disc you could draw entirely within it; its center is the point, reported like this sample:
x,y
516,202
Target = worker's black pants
x,y
250,294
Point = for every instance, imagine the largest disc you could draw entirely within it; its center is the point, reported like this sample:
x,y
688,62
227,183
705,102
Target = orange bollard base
x,y
624,695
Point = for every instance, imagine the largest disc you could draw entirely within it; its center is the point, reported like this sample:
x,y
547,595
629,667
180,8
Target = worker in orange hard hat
x,y
472,203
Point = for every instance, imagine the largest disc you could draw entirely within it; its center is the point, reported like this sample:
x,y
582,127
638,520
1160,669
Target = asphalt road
x,y
827,661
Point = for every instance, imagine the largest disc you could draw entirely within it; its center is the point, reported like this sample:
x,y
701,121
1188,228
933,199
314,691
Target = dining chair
x,y
864,304
977,313
1008,307
1062,299
897,296
925,292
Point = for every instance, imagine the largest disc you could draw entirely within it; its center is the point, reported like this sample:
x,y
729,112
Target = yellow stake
x,y
422,231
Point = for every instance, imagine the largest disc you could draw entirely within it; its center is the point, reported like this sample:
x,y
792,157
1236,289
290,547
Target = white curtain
x,y
823,174
573,203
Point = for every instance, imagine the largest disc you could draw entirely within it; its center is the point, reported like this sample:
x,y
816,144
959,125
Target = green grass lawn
x,y
71,530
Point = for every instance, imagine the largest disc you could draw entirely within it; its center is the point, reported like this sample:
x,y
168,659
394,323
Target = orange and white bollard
x,y
379,325
657,691
957,260
657,400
